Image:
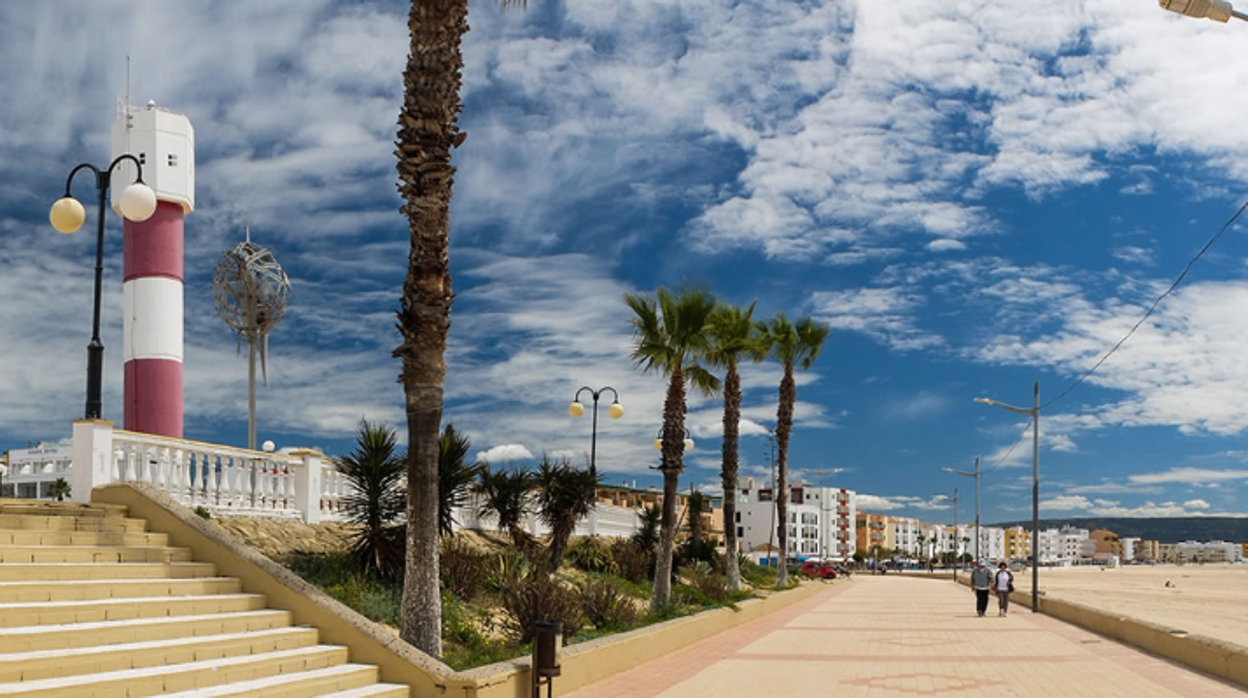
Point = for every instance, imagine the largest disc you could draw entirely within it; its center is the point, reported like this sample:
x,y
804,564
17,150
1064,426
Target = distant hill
x,y
1176,530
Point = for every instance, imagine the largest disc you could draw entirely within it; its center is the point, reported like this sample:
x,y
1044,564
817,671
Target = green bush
x,y
338,576
540,598
605,605
757,575
464,644
632,562
591,554
710,584
463,569
508,570
203,513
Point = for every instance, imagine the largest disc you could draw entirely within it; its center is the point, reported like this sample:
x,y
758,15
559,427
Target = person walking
x,y
981,582
1004,584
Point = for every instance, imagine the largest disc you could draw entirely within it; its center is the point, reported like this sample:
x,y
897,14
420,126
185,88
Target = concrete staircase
x,y
92,604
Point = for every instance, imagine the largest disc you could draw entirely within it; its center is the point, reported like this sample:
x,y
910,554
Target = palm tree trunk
x,y
732,430
427,133
784,426
673,455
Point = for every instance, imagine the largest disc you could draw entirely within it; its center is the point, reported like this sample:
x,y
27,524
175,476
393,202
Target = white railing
x,y
222,479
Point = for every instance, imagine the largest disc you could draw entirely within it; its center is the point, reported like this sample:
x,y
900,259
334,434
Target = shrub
x,y
710,584
540,598
631,561
203,513
464,569
694,551
337,574
592,555
605,605
757,575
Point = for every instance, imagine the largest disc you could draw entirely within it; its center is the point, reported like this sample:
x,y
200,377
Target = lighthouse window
x,y
142,158
173,160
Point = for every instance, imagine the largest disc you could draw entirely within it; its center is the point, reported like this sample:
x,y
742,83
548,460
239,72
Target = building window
x,y
173,160
740,532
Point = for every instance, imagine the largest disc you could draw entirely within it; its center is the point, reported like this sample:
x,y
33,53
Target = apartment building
x,y
31,471
906,534
872,530
821,520
1017,543
1145,550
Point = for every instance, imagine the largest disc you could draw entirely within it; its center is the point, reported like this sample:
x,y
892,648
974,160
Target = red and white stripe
x,y
153,322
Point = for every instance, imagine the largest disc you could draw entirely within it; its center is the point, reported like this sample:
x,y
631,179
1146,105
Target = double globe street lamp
x,y
137,203
576,409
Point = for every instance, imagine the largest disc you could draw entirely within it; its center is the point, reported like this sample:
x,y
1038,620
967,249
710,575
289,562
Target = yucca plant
x,y
376,474
565,495
455,476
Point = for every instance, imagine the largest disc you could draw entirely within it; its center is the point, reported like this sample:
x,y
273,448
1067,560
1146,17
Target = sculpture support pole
x,y
251,392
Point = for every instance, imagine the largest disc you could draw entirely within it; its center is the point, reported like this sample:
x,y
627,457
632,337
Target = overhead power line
x,y
1149,312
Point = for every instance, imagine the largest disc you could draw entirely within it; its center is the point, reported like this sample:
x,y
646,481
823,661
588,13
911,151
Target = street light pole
x,y
576,409
137,203
956,540
975,475
1034,413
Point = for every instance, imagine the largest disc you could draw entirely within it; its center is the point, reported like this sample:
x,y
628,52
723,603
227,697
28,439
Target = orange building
x,y
872,530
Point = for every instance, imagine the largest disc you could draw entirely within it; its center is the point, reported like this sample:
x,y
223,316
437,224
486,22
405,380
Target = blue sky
x,y
975,195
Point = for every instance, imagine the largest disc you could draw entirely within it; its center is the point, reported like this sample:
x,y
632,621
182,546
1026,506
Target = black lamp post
x,y
137,203
1034,413
576,409
975,475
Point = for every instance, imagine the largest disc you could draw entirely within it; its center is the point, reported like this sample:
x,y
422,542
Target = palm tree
x,y
374,472
790,345
669,337
455,476
59,489
427,132
565,495
732,336
505,493
695,504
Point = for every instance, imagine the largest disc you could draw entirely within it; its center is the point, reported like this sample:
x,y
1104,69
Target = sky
x,y
976,196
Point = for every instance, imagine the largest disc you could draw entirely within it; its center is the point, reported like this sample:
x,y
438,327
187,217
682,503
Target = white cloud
x,y
1188,476
1195,504
504,453
885,314
873,503
946,245
1066,503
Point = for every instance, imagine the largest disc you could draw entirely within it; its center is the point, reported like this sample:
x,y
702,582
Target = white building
x,y
906,534
1213,551
33,470
821,520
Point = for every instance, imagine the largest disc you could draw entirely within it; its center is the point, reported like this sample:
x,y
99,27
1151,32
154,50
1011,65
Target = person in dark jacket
x,y
981,582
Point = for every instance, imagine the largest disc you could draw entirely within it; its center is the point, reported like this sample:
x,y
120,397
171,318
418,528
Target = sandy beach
x,y
1204,599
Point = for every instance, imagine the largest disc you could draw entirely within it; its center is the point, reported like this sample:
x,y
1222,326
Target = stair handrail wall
x,y
222,479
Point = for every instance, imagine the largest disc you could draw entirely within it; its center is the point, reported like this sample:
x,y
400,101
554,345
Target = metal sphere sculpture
x,y
250,290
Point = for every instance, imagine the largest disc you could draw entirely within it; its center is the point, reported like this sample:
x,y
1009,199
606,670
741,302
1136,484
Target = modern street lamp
x,y
576,409
1034,413
137,203
976,476
956,557
1217,10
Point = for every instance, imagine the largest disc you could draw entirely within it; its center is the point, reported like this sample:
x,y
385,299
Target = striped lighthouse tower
x,y
164,142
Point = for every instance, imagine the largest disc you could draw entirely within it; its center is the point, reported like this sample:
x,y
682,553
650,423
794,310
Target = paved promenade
x,y
895,636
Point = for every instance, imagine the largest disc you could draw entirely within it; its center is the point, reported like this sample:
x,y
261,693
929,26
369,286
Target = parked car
x,y
815,568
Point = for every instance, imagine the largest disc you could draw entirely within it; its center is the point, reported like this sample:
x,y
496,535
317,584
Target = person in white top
x,y
1003,584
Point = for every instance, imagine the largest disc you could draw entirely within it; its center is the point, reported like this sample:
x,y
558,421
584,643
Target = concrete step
x,y
65,571
148,681
47,664
27,592
77,635
14,615
92,553
53,522
377,690
37,537
43,507
317,682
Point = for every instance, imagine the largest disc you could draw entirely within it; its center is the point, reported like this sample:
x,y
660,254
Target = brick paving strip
x,y
928,641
